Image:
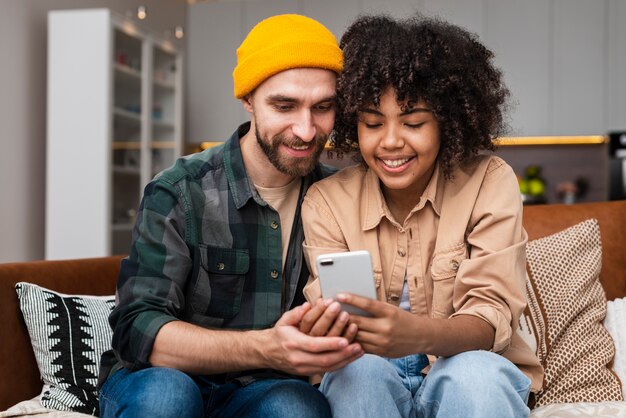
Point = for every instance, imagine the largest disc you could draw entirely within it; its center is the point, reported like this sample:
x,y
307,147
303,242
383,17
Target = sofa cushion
x,y
606,409
566,307
615,323
68,334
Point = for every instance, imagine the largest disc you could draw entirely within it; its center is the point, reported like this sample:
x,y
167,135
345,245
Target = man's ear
x,y
246,101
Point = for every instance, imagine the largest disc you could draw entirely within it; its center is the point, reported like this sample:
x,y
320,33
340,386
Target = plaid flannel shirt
x,y
206,250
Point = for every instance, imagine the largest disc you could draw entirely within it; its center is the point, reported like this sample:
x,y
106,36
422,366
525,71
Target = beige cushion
x,y
565,312
579,410
615,323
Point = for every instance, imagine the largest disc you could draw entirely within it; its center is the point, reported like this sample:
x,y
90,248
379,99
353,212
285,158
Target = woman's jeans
x,y
469,384
163,392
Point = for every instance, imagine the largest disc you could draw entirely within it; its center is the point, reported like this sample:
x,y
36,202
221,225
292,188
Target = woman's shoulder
x,y
488,166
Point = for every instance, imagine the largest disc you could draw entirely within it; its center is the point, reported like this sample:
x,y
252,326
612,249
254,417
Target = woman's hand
x,y
393,332
390,332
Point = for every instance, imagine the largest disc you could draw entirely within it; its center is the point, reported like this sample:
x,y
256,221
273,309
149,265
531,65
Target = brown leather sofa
x,y
19,376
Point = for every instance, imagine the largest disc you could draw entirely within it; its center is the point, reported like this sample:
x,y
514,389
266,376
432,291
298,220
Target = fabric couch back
x,y
542,220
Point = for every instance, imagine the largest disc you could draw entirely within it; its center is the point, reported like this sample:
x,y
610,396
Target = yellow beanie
x,y
280,43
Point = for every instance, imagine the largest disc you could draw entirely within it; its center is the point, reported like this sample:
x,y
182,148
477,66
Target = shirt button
x,y
454,265
220,266
401,252
394,297
274,225
274,274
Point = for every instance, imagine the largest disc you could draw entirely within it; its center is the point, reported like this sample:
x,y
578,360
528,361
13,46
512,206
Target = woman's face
x,y
399,143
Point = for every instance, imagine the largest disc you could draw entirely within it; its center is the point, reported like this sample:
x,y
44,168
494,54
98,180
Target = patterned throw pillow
x,y
566,306
68,334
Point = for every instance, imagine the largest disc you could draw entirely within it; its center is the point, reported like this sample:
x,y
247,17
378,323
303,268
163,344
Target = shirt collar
x,y
241,187
374,207
239,183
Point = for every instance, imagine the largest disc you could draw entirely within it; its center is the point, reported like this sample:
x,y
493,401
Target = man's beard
x,y
292,166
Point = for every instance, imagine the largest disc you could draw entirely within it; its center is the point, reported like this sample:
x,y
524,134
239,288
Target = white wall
x,y
564,60
23,34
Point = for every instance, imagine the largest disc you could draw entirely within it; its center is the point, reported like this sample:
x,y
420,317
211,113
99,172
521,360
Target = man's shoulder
x,y
194,167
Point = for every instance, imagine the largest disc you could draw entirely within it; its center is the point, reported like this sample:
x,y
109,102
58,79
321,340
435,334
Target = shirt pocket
x,y
443,271
219,282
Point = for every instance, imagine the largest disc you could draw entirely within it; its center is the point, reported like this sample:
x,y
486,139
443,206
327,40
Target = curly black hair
x,y
429,59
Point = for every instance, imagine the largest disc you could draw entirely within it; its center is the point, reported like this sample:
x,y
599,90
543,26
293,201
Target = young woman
x,y
422,102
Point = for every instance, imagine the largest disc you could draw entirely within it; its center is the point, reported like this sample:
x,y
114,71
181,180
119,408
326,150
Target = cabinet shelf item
x,y
115,93
127,114
127,73
164,85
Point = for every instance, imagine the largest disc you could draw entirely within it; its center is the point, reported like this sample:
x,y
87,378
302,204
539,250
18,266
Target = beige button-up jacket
x,y
462,248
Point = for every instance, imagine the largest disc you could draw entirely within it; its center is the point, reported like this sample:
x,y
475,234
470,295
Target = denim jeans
x,y
162,392
470,384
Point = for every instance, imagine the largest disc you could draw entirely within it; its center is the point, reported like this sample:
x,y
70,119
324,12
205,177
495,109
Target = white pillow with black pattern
x,y
68,333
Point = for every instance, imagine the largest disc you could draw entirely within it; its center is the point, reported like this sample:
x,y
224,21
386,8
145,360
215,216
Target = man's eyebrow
x,y
328,99
280,98
287,99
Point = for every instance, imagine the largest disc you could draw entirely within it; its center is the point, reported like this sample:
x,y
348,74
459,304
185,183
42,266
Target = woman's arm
x,y
393,332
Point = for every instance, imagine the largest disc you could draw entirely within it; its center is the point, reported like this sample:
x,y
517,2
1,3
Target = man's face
x,y
293,113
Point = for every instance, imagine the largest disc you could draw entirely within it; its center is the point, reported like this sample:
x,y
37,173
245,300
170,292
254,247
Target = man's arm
x,y
284,347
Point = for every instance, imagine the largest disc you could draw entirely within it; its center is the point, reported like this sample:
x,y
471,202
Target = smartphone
x,y
347,272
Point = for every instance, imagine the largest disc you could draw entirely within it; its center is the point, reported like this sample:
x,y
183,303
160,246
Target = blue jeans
x,y
470,384
162,392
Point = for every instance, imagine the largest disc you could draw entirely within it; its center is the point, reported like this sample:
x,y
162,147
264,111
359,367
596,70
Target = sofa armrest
x,y
19,375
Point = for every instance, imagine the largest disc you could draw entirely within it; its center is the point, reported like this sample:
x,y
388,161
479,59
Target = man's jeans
x,y
470,384
162,392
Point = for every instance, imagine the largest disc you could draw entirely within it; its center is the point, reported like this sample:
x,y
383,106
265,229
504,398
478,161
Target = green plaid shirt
x,y
207,250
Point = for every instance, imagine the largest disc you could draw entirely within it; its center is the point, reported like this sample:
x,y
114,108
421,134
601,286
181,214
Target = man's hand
x,y
291,350
326,318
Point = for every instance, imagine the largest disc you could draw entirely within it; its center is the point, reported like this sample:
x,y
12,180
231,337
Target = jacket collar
x,y
374,207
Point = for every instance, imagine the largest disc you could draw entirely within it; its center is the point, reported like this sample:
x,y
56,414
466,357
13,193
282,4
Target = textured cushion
x,y
68,334
565,312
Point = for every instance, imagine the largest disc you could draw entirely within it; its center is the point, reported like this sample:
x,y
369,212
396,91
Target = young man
x,y
209,301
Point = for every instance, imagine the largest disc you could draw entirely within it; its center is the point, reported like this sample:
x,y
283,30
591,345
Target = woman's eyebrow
x,y
372,111
406,112
415,110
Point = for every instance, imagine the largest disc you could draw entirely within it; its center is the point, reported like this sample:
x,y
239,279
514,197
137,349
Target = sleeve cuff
x,y
150,323
501,324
